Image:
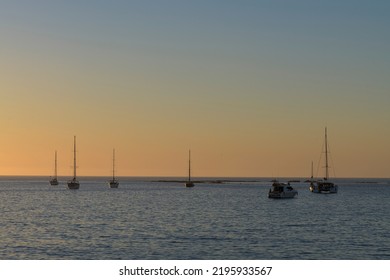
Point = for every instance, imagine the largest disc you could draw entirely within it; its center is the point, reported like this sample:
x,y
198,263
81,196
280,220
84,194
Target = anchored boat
x,y
113,183
54,180
324,186
189,183
74,183
281,190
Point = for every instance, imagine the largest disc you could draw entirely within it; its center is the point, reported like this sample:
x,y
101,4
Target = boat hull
x,y
287,194
113,184
324,188
73,185
54,182
281,190
190,184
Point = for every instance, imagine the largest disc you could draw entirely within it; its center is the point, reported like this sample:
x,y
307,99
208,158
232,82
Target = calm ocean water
x,y
143,219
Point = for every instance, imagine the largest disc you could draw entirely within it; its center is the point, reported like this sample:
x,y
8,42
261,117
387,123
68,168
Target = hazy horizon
x,y
195,178
248,86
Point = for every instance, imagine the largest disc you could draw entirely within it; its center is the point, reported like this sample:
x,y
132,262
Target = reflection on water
x,y
160,220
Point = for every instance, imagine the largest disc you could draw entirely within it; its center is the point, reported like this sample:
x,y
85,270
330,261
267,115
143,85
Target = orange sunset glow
x,y
249,94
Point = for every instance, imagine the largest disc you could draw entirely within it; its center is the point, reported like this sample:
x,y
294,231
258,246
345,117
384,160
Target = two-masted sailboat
x,y
113,183
74,183
54,180
324,186
189,183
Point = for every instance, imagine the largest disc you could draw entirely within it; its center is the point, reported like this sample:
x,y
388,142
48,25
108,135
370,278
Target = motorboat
x,y
282,190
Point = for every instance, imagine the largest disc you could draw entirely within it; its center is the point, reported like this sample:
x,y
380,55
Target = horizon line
x,y
184,176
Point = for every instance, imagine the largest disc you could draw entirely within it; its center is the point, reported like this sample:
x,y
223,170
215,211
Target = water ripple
x,y
154,220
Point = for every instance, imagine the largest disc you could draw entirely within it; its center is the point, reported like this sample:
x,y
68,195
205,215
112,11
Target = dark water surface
x,y
143,219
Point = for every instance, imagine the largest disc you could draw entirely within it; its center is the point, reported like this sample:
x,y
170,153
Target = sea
x,y
150,218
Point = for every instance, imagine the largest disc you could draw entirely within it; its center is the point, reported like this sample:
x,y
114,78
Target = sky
x,y
249,86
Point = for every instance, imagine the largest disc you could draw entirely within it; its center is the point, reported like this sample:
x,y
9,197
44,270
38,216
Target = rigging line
x,y
320,160
331,160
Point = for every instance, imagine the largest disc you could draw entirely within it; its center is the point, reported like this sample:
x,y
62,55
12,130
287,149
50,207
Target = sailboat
x,y
324,186
54,180
74,183
189,183
113,183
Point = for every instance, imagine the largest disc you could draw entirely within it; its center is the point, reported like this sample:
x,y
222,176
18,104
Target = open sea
x,y
148,219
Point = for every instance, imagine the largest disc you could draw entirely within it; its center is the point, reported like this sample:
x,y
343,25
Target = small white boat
x,y
281,190
74,183
113,183
324,186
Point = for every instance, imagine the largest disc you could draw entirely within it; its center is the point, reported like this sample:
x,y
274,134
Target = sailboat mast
x,y
113,164
55,164
74,157
326,156
189,165
311,170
